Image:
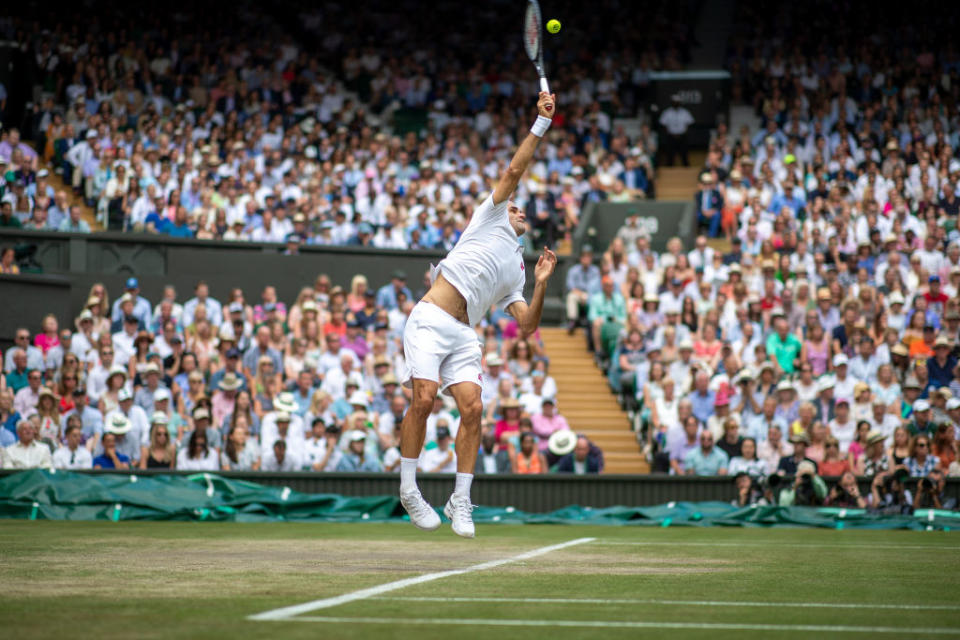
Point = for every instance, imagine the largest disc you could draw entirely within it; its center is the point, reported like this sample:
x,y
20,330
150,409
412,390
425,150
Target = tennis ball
x,y
553,26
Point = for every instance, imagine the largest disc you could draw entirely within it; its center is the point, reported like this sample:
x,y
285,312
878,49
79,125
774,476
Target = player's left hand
x,y
545,266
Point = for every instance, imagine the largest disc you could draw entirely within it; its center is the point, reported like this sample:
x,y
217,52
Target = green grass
x,y
193,580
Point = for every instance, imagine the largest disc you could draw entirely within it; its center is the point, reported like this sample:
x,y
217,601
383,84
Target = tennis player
x,y
441,347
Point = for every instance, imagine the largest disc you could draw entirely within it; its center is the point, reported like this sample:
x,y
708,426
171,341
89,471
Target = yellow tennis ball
x,y
553,26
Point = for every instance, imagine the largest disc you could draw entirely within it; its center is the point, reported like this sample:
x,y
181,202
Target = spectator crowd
x,y
823,326
236,130
314,385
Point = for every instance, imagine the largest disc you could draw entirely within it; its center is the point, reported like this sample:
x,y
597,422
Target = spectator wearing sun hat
x,y
843,382
940,367
356,458
921,422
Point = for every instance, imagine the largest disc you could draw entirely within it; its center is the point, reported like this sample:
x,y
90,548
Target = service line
x,y
687,603
630,624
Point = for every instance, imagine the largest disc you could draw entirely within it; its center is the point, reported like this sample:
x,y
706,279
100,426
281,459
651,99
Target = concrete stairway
x,y
585,400
680,183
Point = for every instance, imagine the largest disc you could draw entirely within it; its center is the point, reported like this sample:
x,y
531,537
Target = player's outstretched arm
x,y
524,155
528,316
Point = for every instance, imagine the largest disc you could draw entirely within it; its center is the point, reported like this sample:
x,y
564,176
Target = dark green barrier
x,y
599,223
46,495
532,493
73,262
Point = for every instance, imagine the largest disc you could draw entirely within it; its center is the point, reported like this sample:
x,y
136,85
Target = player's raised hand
x,y
546,104
545,266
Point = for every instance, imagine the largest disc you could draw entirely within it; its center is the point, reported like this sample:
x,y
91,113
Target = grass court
x,y
227,580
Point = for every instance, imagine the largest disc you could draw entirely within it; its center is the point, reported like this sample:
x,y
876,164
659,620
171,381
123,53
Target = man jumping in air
x,y
441,347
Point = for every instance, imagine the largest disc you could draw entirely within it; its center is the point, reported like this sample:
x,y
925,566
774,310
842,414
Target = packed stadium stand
x,y
810,328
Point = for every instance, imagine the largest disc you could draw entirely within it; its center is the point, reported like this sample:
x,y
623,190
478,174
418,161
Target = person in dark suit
x,y
491,459
634,178
788,464
582,460
544,217
709,204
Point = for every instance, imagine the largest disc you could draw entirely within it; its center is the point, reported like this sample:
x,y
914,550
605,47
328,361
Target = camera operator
x,y
846,493
927,495
749,492
808,488
889,495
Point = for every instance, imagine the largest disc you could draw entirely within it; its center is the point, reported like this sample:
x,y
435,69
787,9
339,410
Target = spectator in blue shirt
x,y
940,367
179,228
110,458
583,281
387,294
355,458
75,223
709,203
706,460
702,397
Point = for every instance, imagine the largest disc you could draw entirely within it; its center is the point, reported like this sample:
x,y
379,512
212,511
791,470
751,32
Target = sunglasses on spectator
x,y
921,444
107,353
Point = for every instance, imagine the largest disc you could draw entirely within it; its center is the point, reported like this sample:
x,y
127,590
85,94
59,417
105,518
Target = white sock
x,y
463,484
408,474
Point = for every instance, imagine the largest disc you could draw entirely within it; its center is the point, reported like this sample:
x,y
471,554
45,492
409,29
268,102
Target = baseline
x,y
286,613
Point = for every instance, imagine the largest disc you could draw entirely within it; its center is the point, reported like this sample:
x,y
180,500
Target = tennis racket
x,y
533,40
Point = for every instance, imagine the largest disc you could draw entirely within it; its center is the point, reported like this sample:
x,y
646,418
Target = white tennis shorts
x,y
436,346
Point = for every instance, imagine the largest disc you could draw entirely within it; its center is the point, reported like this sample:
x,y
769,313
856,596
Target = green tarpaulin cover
x,y
58,495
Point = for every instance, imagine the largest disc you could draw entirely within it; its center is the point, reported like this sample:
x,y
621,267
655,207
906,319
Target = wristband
x,y
540,126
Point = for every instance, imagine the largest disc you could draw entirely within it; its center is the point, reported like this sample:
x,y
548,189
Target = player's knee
x,y
471,411
422,401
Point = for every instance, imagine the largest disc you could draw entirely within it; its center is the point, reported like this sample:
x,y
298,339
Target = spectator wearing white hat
x,y
202,421
843,427
843,383
491,378
117,445
281,424
356,458
144,397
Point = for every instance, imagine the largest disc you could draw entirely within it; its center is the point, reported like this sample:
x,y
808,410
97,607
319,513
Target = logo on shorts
x,y
480,378
523,267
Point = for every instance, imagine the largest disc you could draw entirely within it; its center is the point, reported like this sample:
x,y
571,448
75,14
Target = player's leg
x,y
412,432
467,395
422,348
413,429
461,372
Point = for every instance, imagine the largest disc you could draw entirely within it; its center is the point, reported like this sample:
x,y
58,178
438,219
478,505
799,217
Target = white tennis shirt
x,y
486,266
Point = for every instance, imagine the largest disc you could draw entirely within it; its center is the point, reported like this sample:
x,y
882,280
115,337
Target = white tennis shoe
x,y
421,513
459,510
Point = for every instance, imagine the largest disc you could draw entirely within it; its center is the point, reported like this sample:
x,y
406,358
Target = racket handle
x,y
543,85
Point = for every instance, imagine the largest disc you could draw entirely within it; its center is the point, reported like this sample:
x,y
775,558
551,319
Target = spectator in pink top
x,y
49,334
547,421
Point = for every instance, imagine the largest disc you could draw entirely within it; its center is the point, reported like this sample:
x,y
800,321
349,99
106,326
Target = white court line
x,y
690,603
770,544
630,624
287,612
